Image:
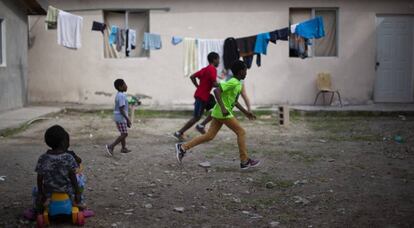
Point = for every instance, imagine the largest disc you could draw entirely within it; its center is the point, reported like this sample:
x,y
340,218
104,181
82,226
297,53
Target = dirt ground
x,y
319,172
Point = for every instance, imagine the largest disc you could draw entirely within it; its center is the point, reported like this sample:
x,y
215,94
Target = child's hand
x,y
129,123
251,116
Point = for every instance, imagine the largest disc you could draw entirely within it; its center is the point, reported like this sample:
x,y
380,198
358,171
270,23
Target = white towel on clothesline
x,y
190,56
69,28
205,46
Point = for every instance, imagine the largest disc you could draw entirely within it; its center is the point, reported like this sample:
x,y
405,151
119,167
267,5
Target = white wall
x,y
57,74
13,74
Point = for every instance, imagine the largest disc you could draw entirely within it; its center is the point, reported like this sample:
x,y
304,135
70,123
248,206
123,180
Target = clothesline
x,y
196,49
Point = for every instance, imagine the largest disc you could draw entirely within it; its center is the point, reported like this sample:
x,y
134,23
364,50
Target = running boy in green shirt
x,y
226,96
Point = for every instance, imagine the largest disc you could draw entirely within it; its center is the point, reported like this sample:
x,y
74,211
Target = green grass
x,y
13,131
302,156
347,128
279,183
264,202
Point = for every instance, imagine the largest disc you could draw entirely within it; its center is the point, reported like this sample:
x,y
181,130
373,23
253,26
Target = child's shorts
x,y
122,127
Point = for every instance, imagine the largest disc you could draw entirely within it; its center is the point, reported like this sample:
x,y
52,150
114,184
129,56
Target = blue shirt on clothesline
x,y
311,29
113,35
151,41
262,40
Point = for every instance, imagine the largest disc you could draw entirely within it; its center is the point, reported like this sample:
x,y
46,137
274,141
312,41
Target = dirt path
x,y
320,172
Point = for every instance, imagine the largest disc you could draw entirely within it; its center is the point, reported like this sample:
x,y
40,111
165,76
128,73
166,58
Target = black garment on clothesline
x,y
279,34
126,43
246,48
230,52
98,26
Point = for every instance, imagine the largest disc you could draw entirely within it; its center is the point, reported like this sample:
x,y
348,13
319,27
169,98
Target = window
x,y
323,47
136,20
2,42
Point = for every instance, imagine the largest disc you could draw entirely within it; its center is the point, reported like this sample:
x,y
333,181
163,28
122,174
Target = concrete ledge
x,y
16,118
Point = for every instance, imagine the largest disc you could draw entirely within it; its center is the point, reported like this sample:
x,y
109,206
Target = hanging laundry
x,y
98,26
205,46
126,42
69,29
280,34
113,36
51,18
293,28
311,29
176,40
120,40
190,56
246,47
262,40
298,46
230,52
131,40
151,41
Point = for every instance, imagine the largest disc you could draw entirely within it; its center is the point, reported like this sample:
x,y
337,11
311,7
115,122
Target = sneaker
x,y
179,136
200,128
109,151
180,152
250,163
125,150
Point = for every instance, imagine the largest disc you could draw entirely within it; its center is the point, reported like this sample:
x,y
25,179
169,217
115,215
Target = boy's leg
x,y
210,105
234,125
211,133
123,142
122,127
116,142
206,120
198,112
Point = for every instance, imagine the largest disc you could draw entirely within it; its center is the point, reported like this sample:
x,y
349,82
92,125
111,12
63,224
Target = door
x,y
394,66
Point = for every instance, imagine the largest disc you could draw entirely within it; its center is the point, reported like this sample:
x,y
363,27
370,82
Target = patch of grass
x,y
287,217
279,183
140,113
13,131
225,169
341,138
300,155
360,166
347,128
262,202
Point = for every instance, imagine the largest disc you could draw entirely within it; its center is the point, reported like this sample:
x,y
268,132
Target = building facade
x,y
370,56
14,50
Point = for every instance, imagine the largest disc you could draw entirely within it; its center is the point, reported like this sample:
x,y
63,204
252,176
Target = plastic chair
x,y
324,84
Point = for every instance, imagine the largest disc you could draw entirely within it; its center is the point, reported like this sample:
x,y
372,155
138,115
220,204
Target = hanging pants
x,y
215,126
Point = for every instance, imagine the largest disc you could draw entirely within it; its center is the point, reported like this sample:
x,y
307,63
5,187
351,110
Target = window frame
x,y
3,60
126,21
311,49
336,9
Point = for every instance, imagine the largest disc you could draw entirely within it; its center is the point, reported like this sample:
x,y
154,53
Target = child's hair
x,y
56,136
237,66
118,83
212,56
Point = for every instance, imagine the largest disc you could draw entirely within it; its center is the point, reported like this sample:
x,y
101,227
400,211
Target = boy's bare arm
x,y
217,94
194,80
245,98
249,114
